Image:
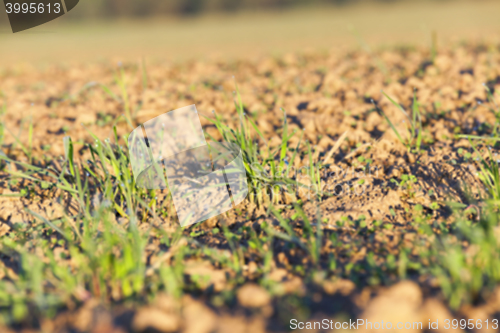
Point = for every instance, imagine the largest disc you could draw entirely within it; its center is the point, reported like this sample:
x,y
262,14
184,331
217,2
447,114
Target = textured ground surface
x,y
368,220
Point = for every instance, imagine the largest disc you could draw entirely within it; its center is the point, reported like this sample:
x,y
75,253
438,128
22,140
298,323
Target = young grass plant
x,y
314,174
121,82
465,256
27,150
309,241
101,238
413,140
267,176
495,108
468,274
100,231
489,176
103,249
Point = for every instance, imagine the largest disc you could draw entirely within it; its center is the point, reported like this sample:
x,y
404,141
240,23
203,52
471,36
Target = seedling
x,y
267,176
407,182
413,140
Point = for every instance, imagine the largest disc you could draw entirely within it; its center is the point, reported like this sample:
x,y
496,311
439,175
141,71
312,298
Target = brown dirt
x,y
327,95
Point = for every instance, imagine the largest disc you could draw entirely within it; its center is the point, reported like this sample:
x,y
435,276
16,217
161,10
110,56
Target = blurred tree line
x,y
138,8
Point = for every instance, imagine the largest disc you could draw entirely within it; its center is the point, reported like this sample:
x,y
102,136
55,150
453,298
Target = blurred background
x,y
180,29
146,8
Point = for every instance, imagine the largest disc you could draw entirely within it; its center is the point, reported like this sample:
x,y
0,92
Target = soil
x,y
324,94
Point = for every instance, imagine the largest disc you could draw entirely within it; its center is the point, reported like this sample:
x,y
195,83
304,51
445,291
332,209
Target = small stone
x,y
198,318
411,158
86,118
252,267
278,274
253,296
399,303
434,310
153,318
